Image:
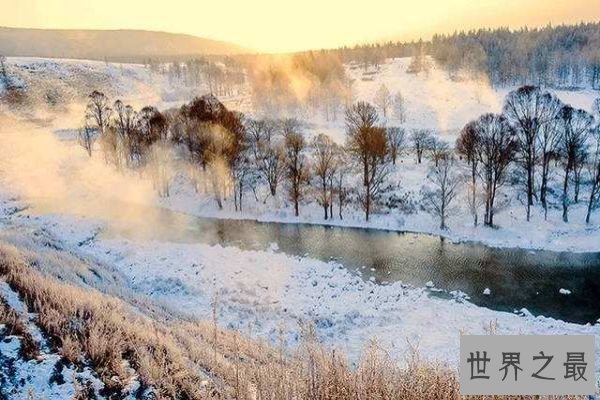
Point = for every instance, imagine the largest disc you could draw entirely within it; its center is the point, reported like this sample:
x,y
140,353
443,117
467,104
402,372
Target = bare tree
x,y
325,165
86,137
377,170
396,140
295,163
361,118
548,140
581,161
368,144
127,139
466,146
272,166
399,108
383,100
159,158
438,150
241,171
495,150
445,181
125,118
421,139
267,150
343,170
528,109
575,128
594,172
98,111
111,146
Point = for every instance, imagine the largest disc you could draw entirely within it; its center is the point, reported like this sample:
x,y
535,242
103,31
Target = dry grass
x,y
195,360
14,325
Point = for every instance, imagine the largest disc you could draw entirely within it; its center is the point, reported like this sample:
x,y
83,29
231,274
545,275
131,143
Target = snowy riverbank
x,y
265,292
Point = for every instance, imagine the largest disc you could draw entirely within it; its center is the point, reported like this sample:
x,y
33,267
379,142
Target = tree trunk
x,y
544,186
592,196
235,198
474,190
577,182
529,190
565,200
443,216
486,216
241,194
368,201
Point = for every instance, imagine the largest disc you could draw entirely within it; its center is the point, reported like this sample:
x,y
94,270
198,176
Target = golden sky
x,y
289,25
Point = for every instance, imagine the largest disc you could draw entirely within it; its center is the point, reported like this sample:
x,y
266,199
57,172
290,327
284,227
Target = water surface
x,y
517,278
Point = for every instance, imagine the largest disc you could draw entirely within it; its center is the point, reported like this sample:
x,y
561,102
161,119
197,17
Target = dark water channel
x,y
516,278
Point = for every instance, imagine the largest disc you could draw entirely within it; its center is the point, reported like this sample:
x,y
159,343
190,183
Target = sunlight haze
x,y
282,26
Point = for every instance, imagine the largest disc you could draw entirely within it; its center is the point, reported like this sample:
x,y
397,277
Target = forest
x,y
232,156
554,56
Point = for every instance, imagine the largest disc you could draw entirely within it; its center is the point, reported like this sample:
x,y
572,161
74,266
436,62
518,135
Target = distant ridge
x,y
114,45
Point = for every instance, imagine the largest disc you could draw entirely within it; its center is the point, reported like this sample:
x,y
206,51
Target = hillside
x,y
107,44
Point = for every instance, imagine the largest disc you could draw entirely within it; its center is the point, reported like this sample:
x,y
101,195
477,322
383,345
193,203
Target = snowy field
x,y
432,100
265,292
512,230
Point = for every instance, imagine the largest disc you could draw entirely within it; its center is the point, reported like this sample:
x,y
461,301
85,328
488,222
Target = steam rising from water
x,y
39,168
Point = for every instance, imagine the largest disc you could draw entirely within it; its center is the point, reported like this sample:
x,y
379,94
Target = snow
x,y
432,100
435,101
261,291
40,377
511,231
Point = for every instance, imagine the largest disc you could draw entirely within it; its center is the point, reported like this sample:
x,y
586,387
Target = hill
x,y
116,45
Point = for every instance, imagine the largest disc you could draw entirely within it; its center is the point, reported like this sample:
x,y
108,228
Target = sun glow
x,y
282,26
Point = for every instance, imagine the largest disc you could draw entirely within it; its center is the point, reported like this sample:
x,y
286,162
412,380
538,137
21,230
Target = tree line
x,y
231,155
564,56
534,131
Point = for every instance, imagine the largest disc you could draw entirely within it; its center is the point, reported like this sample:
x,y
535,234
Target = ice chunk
x,y
273,246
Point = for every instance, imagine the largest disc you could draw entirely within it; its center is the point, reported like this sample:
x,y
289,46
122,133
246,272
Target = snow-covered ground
x,y
46,376
266,292
263,291
55,84
408,177
445,105
432,100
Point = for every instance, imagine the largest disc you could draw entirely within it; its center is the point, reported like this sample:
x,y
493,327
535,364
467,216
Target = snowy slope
x,y
435,101
265,292
432,98
261,291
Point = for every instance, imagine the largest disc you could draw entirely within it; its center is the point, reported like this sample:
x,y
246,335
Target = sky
x,y
291,25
